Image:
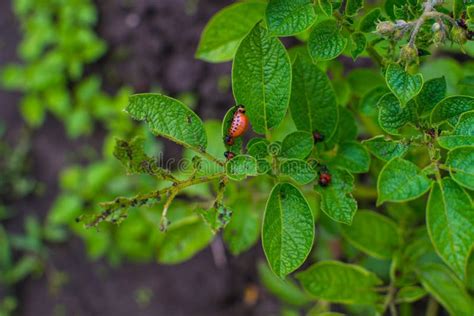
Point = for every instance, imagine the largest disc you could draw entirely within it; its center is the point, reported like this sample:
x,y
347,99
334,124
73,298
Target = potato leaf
x,y
223,33
450,221
401,180
288,229
261,79
169,118
338,282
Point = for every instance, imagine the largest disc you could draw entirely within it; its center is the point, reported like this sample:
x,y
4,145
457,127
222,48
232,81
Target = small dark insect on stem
x,y
154,197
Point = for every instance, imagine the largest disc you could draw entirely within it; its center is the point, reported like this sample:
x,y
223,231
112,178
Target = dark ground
x,y
158,39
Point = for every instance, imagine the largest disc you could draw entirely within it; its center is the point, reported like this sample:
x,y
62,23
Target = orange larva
x,y
240,123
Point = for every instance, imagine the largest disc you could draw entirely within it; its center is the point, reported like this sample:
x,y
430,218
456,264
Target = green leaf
x,y
363,80
369,21
325,41
298,170
353,7
313,102
258,149
169,118
353,157
462,135
236,148
385,149
288,229
433,91
223,33
33,110
241,166
451,108
372,233
66,208
298,144
346,128
289,17
132,156
410,294
459,6
369,101
326,7
446,288
217,217
392,116
401,180
339,282
358,44
450,222
469,270
285,290
461,166
183,240
336,199
243,230
403,85
261,79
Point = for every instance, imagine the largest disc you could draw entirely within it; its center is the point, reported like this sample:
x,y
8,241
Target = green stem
x,y
141,199
365,193
375,55
433,306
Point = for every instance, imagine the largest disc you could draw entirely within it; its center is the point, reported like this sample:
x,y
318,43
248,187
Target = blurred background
x,y
67,68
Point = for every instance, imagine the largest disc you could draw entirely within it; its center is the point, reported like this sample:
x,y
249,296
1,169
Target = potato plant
x,y
359,163
59,42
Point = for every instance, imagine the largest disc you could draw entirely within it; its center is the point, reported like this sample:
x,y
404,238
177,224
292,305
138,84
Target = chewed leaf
x,y
261,79
169,118
403,85
239,167
288,229
336,199
288,17
131,154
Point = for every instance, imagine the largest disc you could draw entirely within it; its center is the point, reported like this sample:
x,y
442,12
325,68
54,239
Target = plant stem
x,y
365,193
201,151
433,306
141,199
427,13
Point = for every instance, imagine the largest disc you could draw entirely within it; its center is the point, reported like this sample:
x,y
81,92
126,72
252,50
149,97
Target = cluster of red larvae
x,y
239,126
